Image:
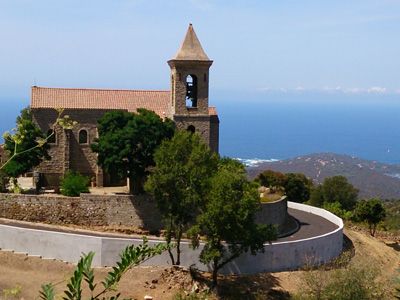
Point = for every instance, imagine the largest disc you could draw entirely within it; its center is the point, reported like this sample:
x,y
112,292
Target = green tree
x,y
26,147
317,196
271,178
335,189
297,187
180,182
127,142
131,256
227,220
371,211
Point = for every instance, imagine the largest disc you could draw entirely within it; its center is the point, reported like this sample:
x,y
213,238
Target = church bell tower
x,y
189,89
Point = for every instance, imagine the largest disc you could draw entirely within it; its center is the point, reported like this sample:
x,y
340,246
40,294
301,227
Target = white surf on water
x,y
255,162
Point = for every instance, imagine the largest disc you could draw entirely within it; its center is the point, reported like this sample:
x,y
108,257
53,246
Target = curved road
x,y
310,226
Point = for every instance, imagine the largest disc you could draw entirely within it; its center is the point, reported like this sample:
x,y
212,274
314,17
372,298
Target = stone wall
x,y
138,212
67,153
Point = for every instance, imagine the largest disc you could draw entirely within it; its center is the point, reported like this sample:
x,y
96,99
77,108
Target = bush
x,y
336,208
74,183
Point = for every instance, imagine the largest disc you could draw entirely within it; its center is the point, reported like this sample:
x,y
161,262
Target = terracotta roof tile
x,y
131,100
212,111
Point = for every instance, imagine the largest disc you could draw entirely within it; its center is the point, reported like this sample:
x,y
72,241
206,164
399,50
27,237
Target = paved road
x,y
310,226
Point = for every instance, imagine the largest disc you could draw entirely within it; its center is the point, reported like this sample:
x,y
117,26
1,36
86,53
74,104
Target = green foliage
x,y
392,220
227,219
73,184
131,256
297,187
271,178
336,208
127,142
25,146
371,211
180,182
47,292
351,283
335,189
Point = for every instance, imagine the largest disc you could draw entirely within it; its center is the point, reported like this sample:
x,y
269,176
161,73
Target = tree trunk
x,y
215,275
178,247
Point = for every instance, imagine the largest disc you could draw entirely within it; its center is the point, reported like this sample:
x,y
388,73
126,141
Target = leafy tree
x,y
131,256
26,146
227,220
336,208
271,178
127,142
180,182
335,189
317,196
371,211
297,187
73,184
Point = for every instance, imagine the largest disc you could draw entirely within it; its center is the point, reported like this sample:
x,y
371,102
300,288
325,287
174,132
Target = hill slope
x,y
373,179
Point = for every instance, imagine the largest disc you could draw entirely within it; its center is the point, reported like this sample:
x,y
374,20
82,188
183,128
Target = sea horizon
x,y
271,126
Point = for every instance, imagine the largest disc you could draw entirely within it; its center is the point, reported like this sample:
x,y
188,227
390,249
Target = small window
x,y
83,136
191,129
51,136
191,91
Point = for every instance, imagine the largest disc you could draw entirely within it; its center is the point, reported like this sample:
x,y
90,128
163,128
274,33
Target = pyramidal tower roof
x,y
191,48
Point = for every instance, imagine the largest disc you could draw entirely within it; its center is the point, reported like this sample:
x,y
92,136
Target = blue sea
x,y
258,126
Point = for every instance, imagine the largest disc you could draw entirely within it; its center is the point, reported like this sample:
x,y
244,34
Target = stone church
x,y
186,103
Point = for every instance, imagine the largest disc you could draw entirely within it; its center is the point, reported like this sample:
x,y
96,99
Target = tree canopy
x,y
180,182
335,189
370,211
26,146
127,142
227,219
297,187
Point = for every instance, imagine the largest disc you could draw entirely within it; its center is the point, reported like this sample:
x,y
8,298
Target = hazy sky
x,y
258,46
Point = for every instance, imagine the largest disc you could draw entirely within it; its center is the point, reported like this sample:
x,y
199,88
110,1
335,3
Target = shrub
x,y
74,183
336,208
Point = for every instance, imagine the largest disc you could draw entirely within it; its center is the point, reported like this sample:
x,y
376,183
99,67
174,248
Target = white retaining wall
x,y
278,256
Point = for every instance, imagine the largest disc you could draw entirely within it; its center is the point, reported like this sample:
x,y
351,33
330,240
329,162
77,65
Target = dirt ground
x,y
23,275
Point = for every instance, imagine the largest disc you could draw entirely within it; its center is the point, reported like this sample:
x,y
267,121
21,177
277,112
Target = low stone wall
x,y
89,210
273,212
278,256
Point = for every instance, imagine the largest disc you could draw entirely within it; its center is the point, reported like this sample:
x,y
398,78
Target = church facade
x,y
186,103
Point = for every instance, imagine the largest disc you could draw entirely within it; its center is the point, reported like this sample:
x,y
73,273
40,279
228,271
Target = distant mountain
x,y
373,179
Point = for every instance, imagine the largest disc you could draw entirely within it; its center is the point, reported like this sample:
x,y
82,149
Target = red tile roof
x,y
212,111
131,100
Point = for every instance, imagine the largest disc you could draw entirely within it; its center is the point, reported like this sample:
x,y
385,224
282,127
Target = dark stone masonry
x,y
137,212
186,103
